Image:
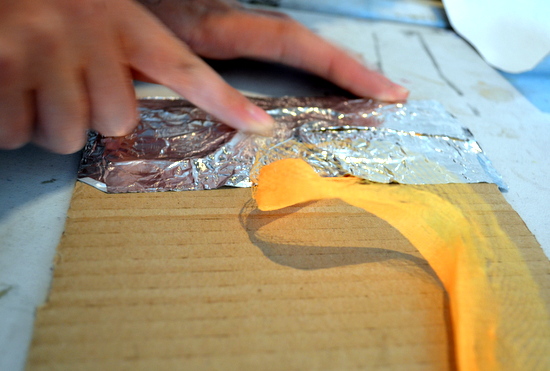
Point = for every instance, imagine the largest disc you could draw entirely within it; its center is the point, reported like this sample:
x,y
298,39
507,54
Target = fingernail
x,y
400,92
395,93
259,121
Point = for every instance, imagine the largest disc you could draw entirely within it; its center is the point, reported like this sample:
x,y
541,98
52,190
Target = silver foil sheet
x,y
177,146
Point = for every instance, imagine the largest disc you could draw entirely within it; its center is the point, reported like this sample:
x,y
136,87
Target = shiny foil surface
x,y
177,146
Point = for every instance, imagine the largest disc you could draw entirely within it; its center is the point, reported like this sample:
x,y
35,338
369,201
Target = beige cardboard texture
x,y
205,281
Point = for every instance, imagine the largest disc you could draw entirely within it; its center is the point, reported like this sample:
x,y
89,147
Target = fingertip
x,y
359,79
377,86
62,146
61,139
396,93
258,121
116,125
132,121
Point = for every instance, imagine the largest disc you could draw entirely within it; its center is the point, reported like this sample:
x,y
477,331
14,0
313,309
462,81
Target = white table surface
x,y
36,186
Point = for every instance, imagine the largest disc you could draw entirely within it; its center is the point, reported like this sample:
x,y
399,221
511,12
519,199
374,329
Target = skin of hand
x,y
66,66
224,29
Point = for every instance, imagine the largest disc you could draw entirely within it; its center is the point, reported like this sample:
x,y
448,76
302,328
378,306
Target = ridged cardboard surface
x,y
205,281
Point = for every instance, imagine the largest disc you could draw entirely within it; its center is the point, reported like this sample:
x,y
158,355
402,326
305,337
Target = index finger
x,y
156,53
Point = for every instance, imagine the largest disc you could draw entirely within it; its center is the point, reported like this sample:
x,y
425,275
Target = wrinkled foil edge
x,y
177,146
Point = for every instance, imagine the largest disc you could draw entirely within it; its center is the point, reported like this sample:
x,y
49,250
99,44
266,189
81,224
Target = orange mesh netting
x,y
499,320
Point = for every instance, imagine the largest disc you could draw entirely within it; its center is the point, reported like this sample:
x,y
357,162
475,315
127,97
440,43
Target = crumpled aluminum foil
x,y
177,146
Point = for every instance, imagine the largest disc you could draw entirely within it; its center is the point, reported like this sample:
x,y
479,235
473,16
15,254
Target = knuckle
x,y
46,37
188,69
182,71
286,31
331,70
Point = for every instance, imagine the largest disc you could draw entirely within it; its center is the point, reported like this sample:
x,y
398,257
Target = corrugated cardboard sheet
x,y
205,281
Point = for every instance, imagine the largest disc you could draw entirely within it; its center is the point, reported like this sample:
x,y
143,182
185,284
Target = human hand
x,y
66,66
224,29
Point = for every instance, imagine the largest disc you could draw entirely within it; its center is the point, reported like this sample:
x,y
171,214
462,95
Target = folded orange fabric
x,y
499,320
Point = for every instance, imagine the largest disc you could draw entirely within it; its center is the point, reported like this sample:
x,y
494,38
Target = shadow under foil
x,y
289,251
